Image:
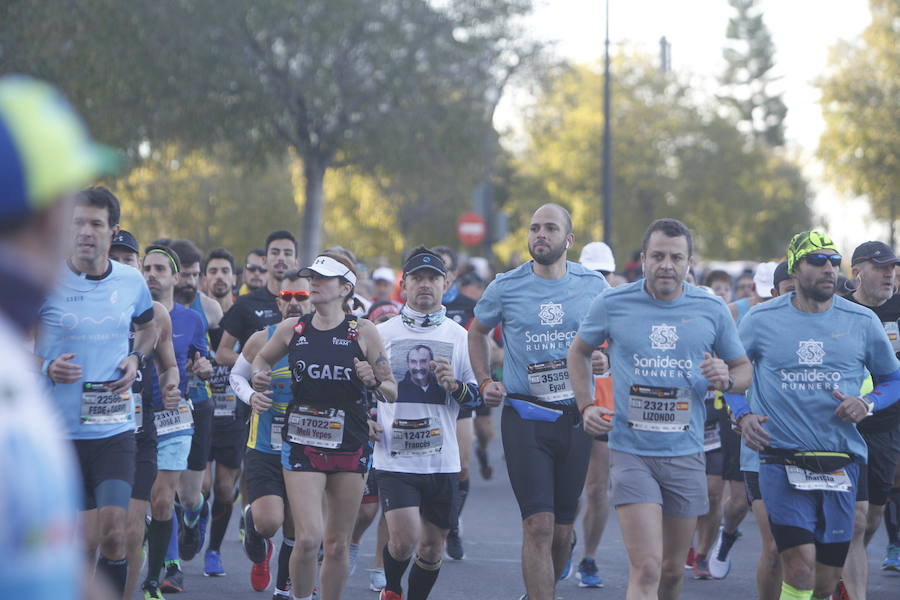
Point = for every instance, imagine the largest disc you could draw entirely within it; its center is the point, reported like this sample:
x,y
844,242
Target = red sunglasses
x,y
298,296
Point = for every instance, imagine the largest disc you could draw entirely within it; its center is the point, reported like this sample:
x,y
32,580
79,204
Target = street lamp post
x,y
607,145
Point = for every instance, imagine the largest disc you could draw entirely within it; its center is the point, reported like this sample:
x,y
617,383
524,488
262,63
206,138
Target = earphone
x,y
568,245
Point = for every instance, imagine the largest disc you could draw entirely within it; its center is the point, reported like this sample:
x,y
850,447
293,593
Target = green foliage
x,y
861,105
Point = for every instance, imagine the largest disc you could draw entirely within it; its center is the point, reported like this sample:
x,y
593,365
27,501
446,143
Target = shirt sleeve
x,y
143,304
464,370
489,309
594,327
748,339
728,344
880,357
233,321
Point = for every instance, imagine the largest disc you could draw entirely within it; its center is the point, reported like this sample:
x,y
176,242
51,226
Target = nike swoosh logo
x,y
175,335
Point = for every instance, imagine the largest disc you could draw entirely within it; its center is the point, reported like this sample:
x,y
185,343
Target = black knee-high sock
x,y
157,544
221,514
284,562
393,571
422,576
892,517
463,491
115,570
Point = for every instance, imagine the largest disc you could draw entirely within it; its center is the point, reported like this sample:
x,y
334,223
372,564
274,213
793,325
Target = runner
x,y
228,424
84,345
743,286
810,352
266,495
174,426
539,305
720,283
663,335
253,275
45,153
124,250
334,357
891,560
383,280
768,568
417,458
872,269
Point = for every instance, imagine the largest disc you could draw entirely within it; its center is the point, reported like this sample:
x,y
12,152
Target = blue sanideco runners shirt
x,y
655,352
539,318
800,358
90,318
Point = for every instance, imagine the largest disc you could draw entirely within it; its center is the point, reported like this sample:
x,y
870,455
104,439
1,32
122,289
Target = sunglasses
x,y
256,268
298,296
818,259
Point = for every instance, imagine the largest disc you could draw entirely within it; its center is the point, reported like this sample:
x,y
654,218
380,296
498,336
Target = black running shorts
x,y
263,475
433,493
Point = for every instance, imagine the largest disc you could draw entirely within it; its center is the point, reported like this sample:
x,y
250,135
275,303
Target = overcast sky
x,y
802,30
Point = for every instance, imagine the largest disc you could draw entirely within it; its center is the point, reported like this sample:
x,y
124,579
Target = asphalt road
x,y
491,569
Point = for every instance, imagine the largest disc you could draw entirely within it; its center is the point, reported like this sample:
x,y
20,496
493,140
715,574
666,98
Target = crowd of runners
x,y
161,391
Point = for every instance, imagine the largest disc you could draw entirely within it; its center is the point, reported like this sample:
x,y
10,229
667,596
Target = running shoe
x,y
212,564
241,528
840,591
701,568
587,574
191,539
689,562
259,573
891,562
377,580
720,558
281,594
454,545
487,471
353,558
568,570
389,595
254,544
173,582
151,591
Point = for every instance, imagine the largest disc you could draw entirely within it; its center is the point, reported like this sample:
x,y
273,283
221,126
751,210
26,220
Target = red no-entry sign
x,y
471,228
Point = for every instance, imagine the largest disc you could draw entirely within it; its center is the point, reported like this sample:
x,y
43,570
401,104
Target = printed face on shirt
x,y
666,263
418,361
158,275
91,233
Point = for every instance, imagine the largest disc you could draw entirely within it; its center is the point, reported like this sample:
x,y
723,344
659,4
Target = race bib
x,y
275,432
549,381
802,479
659,409
100,406
416,437
712,439
323,428
225,403
893,333
170,421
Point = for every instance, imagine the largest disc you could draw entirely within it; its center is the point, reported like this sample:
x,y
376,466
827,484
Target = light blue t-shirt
x,y
655,352
91,318
800,358
539,319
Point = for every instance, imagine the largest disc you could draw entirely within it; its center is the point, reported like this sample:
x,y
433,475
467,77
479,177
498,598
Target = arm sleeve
x,y
467,394
240,379
489,309
738,404
594,328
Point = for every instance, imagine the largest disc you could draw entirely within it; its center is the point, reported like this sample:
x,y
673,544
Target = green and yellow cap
x,y
806,242
45,150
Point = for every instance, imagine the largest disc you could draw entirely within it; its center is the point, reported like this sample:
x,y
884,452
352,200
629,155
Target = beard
x,y
219,292
550,255
185,294
816,293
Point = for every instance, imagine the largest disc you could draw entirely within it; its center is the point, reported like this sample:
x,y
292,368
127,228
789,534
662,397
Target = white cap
x,y
383,274
328,267
764,279
597,256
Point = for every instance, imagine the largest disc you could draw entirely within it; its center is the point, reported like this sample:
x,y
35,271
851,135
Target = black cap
x,y
424,259
878,252
126,240
781,274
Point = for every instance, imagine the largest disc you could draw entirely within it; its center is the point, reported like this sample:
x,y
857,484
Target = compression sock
x,y
728,540
157,542
172,555
115,570
789,592
284,560
393,571
422,576
221,514
892,517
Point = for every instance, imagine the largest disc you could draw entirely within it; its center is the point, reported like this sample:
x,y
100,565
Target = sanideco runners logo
x,y
663,337
810,353
556,339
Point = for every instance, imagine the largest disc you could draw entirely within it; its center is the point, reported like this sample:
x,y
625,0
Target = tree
x,y
861,106
384,85
674,157
748,76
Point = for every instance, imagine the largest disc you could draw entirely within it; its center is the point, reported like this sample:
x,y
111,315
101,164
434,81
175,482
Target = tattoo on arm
x,y
383,367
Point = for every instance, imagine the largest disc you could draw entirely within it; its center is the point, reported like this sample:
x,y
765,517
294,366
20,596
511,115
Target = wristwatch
x,y
377,384
140,358
870,405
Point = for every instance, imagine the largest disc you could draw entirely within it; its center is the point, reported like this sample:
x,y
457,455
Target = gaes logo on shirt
x,y
663,337
810,352
551,314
